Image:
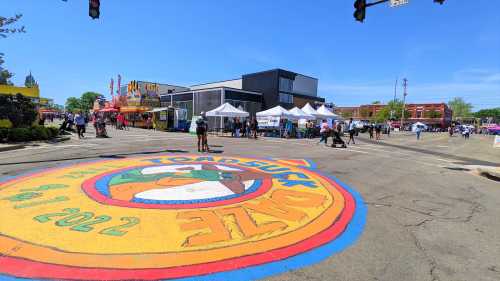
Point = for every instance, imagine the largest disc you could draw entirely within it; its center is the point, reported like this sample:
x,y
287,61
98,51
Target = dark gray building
x,y
282,87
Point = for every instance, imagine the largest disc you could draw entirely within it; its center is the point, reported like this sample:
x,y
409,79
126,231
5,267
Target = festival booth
x,y
136,115
48,114
418,125
274,120
325,113
169,119
302,118
226,110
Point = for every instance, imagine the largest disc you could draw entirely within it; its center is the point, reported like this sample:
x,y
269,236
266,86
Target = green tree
x,y
5,27
20,110
5,75
73,104
460,108
391,111
376,102
30,81
493,113
87,100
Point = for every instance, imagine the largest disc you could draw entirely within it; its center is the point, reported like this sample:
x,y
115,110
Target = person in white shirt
x,y
352,131
324,131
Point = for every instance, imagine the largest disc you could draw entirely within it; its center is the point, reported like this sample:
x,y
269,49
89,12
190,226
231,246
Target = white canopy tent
x,y
227,110
325,113
419,125
300,114
276,111
311,111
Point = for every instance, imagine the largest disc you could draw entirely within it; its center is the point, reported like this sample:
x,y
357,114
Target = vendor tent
x,y
325,113
227,110
276,111
300,114
418,125
310,110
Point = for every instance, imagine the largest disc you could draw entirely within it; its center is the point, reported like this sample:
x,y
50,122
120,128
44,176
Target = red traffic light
x,y
94,9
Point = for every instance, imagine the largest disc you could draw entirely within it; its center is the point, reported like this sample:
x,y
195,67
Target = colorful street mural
x,y
174,217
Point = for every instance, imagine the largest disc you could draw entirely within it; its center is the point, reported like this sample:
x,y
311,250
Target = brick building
x,y
431,114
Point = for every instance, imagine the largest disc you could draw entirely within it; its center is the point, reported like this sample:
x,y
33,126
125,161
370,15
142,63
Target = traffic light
x,y
94,9
439,1
360,12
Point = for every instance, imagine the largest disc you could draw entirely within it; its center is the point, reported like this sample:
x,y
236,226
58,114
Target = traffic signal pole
x,y
361,5
376,3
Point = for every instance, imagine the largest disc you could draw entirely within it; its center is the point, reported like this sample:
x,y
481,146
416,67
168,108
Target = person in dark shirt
x,y
201,133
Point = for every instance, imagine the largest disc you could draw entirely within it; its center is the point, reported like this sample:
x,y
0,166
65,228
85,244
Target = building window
x,y
286,85
286,98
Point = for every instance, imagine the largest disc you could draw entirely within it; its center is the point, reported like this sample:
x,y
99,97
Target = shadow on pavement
x,y
114,156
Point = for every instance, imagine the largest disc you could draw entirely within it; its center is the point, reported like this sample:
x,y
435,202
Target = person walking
x,y
80,124
323,131
370,131
253,127
466,132
352,131
248,127
418,130
378,130
237,128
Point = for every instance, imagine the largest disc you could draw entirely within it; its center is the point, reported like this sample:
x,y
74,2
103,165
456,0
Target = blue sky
x,y
444,51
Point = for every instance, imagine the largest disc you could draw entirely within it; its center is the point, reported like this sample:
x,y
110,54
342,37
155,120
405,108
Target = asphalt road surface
x,y
430,217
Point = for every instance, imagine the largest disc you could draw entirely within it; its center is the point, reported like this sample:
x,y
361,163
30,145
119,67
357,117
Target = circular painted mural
x,y
174,217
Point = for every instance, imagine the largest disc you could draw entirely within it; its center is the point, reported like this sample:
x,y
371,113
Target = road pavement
x,y
429,216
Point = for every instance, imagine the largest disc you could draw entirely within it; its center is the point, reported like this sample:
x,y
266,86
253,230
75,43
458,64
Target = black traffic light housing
x,y
360,12
94,9
439,1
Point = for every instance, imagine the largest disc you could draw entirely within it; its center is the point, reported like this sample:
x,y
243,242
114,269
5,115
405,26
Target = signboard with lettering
x,y
265,122
397,3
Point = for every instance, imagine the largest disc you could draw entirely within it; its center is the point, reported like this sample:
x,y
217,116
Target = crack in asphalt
x,y
411,228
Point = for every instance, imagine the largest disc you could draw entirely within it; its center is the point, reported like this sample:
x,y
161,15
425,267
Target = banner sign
x,y
268,122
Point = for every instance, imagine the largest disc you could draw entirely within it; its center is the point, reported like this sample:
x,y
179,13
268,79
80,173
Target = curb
x,y
12,147
21,146
56,140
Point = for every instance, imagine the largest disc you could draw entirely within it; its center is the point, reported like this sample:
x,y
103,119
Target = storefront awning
x,y
132,109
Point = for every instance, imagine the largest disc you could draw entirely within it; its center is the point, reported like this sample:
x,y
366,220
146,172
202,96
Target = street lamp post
x,y
405,84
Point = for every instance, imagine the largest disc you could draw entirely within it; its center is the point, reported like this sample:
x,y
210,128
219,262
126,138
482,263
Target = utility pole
x,y
405,84
394,100
395,89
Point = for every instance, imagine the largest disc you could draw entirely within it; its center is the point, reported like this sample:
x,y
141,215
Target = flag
x,y
111,87
118,90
